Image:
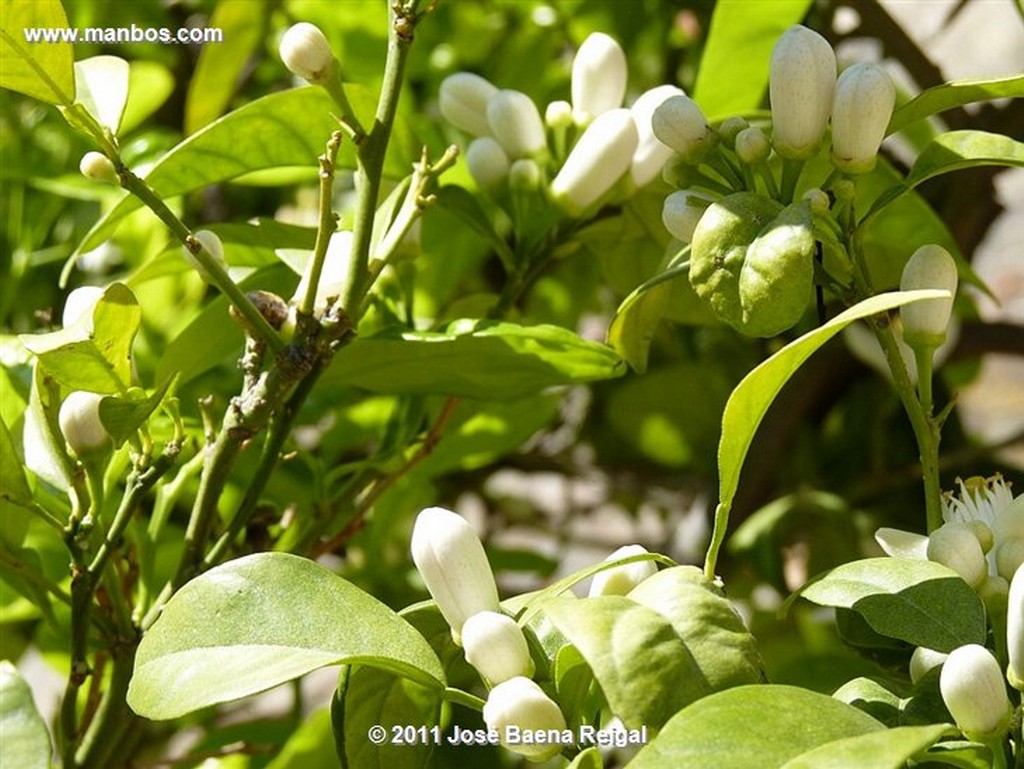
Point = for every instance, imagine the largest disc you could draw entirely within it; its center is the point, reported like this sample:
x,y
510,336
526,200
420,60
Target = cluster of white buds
x,y
613,142
79,420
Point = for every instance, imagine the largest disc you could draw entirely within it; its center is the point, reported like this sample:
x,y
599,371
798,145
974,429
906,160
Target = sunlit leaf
x,y
42,69
26,741
955,94
149,85
889,749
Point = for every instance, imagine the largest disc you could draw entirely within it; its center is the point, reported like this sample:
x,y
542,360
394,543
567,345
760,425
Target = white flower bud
x,y
521,703
453,565
1009,556
954,545
621,579
213,247
925,322
79,421
923,660
818,199
678,123
558,115
333,275
599,159
496,647
801,82
306,52
524,174
1015,631
463,99
97,166
681,212
861,109
80,304
598,77
650,155
752,146
487,162
515,123
974,691
902,544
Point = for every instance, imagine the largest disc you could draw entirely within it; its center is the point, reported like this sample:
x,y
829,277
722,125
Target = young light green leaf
x,y
773,723
149,85
13,485
588,759
920,602
259,621
311,746
41,439
38,67
645,670
123,415
636,319
101,86
26,741
473,359
955,94
888,749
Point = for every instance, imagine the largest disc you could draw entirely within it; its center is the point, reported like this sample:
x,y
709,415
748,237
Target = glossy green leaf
x,y
766,724
955,94
101,86
588,759
13,485
311,746
40,69
149,85
644,669
473,359
961,754
874,699
750,400
41,439
98,360
888,749
727,83
25,741
917,601
467,208
123,415
259,621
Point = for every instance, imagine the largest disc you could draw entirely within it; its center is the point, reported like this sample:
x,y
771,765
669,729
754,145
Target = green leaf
x,y
13,485
874,699
259,621
123,415
727,83
889,749
467,208
26,742
588,759
97,359
149,85
917,601
645,670
42,70
41,439
750,400
636,319
767,724
961,754
101,86
311,746
473,359
955,94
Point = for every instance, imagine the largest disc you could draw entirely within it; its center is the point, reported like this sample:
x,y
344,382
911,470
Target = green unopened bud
x,y
524,175
954,545
1015,631
453,565
730,129
516,123
487,162
306,52
650,155
861,109
924,660
519,705
681,213
925,322
599,159
818,199
463,99
974,691
679,124
213,247
752,146
79,421
801,83
621,579
97,166
496,647
598,78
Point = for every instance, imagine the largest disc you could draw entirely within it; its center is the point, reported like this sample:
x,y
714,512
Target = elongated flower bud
x,y
599,159
925,322
306,52
680,124
801,83
861,109
954,545
621,579
519,705
80,304
598,77
487,162
651,155
79,421
496,647
752,146
974,691
212,245
1015,631
681,212
516,123
463,99
924,660
453,565
97,166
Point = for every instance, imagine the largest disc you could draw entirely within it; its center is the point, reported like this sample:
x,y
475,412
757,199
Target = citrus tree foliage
x,y
319,288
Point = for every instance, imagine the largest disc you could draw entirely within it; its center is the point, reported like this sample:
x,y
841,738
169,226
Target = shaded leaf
x,y
123,415
13,485
888,749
